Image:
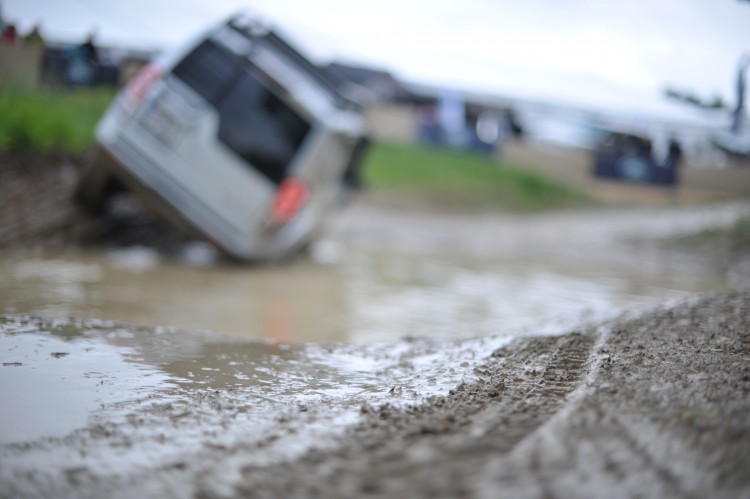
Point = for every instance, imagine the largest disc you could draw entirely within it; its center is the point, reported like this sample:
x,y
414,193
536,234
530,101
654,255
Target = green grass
x,y
42,121
463,180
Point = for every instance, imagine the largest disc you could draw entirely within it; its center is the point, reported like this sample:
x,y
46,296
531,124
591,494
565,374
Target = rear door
x,y
231,137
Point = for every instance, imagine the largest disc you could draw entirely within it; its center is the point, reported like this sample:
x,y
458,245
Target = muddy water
x,y
52,381
71,382
292,303
67,374
356,296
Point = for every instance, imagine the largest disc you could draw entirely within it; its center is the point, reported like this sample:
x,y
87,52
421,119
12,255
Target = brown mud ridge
x,y
654,407
649,406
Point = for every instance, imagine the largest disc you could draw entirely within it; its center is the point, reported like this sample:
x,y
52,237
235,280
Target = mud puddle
x,y
313,345
59,376
111,399
356,297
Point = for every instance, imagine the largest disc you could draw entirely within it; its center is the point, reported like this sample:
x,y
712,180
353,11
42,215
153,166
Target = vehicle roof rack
x,y
330,82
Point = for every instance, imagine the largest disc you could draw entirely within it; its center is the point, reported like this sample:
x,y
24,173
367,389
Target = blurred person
x,y
490,131
10,35
89,49
82,63
430,132
673,161
666,162
739,111
516,129
674,153
452,118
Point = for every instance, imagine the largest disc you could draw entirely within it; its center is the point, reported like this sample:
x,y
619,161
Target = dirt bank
x,y
37,211
35,207
649,406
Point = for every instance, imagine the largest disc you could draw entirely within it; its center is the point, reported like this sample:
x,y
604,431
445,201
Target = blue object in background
x,y
629,158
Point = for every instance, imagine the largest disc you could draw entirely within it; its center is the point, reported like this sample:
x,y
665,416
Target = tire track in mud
x,y
519,388
536,385
649,406
665,415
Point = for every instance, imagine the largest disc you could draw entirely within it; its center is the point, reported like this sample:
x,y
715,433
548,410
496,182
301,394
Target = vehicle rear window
x,y
260,127
209,70
255,122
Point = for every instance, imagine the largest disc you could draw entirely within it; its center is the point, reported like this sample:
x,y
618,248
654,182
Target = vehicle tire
x,y
93,188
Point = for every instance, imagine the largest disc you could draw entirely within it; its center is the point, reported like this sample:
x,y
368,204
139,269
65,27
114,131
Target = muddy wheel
x,y
93,188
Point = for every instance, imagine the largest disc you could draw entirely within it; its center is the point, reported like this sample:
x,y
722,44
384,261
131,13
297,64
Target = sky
x,y
584,51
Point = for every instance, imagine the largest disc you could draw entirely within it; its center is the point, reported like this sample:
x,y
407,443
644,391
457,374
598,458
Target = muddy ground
x,y
650,407
653,404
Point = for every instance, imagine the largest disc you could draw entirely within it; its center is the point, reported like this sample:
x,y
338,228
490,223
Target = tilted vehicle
x,y
238,135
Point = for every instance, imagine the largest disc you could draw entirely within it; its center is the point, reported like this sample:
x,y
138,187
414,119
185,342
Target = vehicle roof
x,y
259,29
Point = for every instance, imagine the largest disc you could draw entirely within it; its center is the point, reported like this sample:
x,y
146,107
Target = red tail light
x,y
290,198
139,85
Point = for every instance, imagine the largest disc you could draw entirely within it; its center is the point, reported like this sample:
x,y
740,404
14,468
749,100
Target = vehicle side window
x,y
209,70
254,121
260,127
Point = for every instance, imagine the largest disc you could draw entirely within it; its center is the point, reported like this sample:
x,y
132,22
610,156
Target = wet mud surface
x,y
652,402
652,405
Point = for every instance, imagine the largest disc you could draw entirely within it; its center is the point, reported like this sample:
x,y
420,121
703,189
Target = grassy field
x,y
50,120
456,179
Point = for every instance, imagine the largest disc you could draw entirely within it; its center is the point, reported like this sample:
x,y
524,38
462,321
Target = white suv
x,y
236,134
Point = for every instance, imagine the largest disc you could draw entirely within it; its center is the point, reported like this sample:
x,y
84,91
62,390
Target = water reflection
x,y
364,297
402,296
76,379
298,302
52,383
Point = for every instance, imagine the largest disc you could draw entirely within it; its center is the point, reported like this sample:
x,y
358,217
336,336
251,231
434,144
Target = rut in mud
x,y
651,406
521,386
